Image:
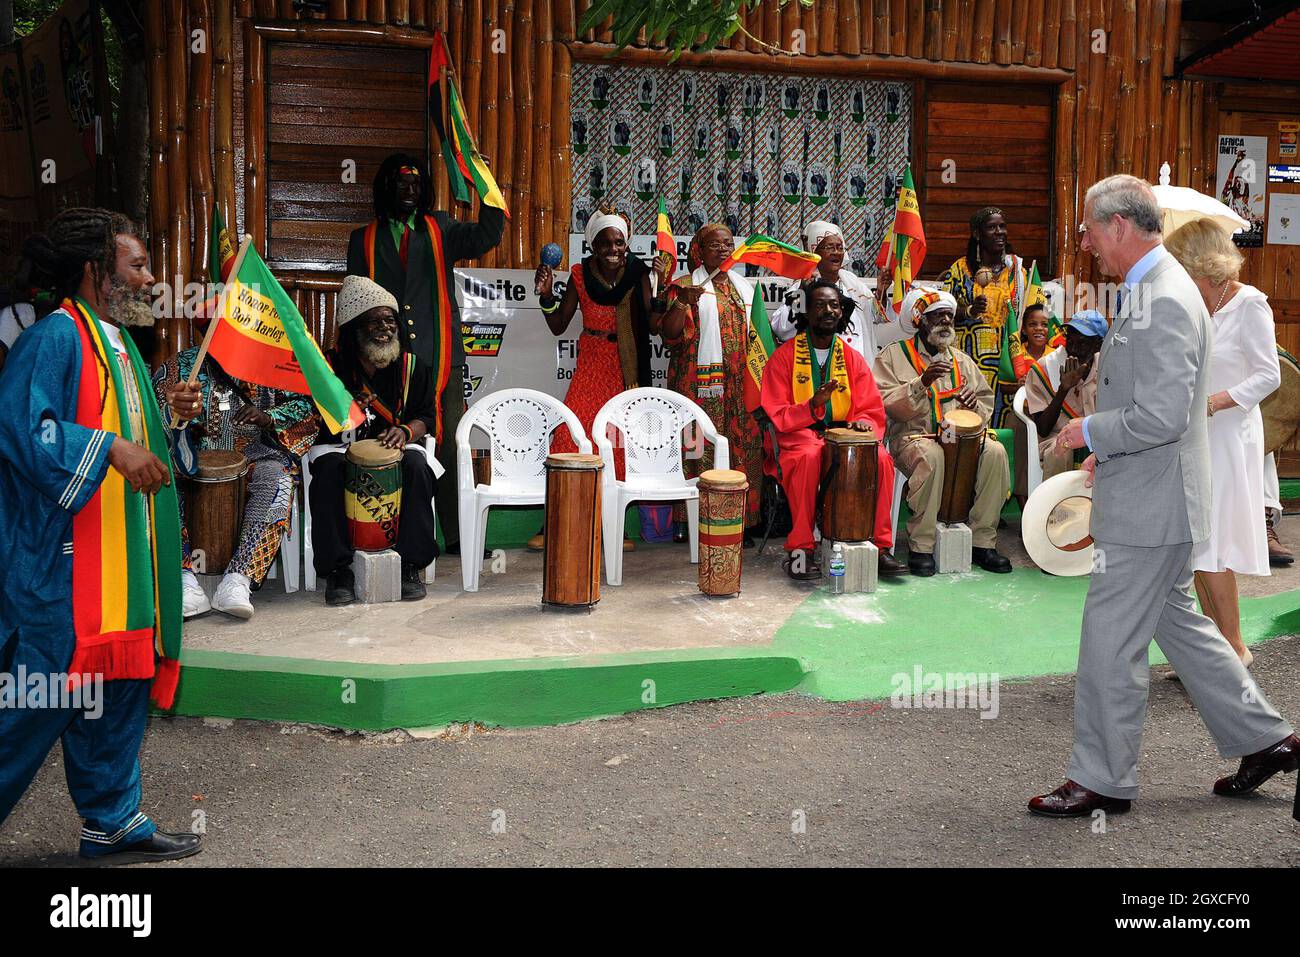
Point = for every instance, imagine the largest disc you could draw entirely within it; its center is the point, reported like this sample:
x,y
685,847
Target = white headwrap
x,y
818,230
941,300
600,221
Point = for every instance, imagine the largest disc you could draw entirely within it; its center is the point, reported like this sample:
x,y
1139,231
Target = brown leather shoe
x,y
887,564
1257,768
1075,800
1279,556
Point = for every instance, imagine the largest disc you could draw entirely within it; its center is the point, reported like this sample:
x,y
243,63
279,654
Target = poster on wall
x,y
17,194
1241,184
759,153
1284,219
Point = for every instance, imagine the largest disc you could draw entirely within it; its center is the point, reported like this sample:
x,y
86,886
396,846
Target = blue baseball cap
x,y
1090,322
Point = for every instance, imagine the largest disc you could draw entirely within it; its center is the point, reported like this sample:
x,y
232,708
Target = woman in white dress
x,y
1243,372
870,327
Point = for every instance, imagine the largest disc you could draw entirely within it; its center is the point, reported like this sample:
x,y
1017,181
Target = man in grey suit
x,y
1150,463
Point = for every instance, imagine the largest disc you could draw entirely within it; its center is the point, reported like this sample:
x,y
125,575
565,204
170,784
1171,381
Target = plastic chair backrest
x,y
519,423
650,422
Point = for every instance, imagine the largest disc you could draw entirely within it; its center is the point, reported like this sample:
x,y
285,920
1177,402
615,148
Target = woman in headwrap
x,y
612,291
868,327
985,282
706,330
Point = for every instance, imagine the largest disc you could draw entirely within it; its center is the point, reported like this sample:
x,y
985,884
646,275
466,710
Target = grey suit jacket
x,y
1149,432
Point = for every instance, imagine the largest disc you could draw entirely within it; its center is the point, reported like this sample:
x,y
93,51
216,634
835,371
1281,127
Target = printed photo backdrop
x,y
763,154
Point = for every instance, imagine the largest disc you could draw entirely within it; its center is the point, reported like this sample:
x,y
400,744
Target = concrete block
x,y
378,575
952,545
861,563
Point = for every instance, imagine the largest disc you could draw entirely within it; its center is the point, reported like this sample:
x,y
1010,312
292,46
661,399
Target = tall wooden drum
x,y
571,574
1281,409
723,493
214,507
372,495
848,489
962,435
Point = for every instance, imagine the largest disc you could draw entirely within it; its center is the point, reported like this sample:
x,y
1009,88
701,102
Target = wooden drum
x,y
214,507
723,493
848,487
962,436
571,574
372,495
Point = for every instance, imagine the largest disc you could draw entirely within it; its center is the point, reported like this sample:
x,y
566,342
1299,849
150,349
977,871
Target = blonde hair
x,y
1205,250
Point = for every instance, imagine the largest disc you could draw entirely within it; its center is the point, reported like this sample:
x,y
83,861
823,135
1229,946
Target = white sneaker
x,y
232,596
193,599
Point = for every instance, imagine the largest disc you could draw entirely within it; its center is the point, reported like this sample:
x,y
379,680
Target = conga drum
x,y
723,493
571,574
372,495
214,507
1281,410
848,486
962,436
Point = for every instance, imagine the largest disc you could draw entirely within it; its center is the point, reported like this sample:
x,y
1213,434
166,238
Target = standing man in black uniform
x,y
411,252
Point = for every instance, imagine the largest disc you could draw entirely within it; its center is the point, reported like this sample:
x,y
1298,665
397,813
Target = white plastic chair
x,y
315,452
649,423
288,555
899,481
518,423
1033,461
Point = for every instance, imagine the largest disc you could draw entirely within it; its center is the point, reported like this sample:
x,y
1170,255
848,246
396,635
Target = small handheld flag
x,y
759,349
781,258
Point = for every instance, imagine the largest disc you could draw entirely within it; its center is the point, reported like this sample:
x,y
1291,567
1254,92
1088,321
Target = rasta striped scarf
x,y
126,546
441,306
809,376
912,349
1041,374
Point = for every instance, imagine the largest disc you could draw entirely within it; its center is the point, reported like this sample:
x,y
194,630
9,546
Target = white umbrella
x,y
1180,204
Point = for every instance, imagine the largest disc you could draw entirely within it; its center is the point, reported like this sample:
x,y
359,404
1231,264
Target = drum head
x,y
217,464
573,460
963,421
723,478
1281,410
373,452
850,436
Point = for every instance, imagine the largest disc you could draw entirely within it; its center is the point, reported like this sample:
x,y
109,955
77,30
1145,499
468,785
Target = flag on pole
x,y
221,255
459,152
780,258
1013,352
906,239
261,338
664,242
760,347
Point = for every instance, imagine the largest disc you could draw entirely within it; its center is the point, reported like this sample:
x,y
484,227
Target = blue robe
x,y
50,467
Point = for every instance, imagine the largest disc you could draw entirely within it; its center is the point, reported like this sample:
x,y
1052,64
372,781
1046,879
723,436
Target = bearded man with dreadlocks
x,y
411,252
988,283
90,595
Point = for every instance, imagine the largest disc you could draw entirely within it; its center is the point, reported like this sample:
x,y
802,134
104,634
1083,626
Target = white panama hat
x,y
1054,526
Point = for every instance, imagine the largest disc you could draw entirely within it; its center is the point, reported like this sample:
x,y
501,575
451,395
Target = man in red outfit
x,y
812,383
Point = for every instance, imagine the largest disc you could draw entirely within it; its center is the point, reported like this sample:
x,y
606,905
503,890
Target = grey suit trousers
x,y
1144,593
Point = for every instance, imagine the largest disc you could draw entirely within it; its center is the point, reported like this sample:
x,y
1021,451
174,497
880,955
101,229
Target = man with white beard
x,y
921,379
397,391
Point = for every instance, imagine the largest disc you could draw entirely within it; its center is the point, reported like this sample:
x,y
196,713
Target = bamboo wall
x,y
1104,61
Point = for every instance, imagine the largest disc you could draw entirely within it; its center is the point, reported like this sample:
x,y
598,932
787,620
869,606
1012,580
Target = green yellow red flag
x,y
780,258
664,242
907,238
260,337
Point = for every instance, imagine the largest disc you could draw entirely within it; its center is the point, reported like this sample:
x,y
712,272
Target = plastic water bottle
x,y
837,569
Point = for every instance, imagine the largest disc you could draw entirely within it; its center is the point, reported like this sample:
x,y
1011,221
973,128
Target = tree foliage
x,y
678,25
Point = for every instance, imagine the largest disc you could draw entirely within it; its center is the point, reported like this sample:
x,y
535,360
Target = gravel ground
x,y
713,783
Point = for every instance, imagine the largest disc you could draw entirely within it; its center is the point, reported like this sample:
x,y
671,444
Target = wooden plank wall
x,y
1115,110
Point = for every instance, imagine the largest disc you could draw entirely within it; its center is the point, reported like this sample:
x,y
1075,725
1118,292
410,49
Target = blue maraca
x,y
552,254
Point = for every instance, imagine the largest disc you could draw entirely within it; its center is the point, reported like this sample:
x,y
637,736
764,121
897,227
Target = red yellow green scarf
x,y
808,377
911,349
441,306
1043,377
126,546
371,398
